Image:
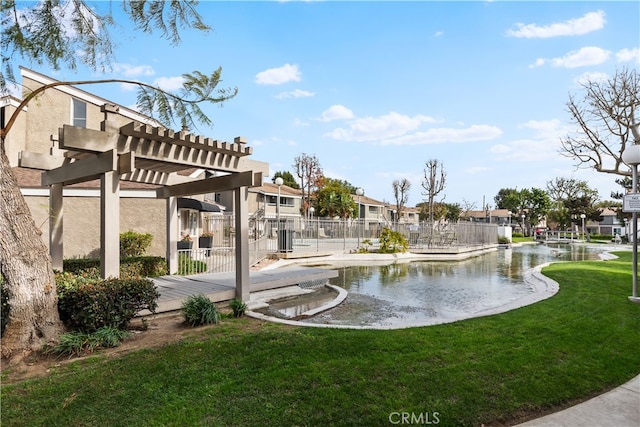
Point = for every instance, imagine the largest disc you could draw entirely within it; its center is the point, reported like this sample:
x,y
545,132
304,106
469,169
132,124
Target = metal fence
x,y
218,259
300,235
294,235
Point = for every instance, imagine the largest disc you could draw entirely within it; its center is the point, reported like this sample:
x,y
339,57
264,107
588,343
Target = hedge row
x,y
132,267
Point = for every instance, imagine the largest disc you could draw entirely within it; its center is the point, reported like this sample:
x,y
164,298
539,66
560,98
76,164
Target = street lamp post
x,y
523,216
359,193
279,183
583,216
631,156
311,211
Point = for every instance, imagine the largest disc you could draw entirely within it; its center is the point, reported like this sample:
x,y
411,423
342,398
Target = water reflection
x,y
427,292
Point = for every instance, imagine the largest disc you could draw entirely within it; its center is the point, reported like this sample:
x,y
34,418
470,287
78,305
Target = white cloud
x,y
299,123
127,87
447,135
477,169
541,145
280,75
500,149
336,112
439,34
379,128
592,21
128,70
298,93
169,83
628,55
589,55
591,77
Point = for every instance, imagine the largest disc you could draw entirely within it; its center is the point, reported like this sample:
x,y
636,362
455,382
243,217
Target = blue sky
x,y
375,89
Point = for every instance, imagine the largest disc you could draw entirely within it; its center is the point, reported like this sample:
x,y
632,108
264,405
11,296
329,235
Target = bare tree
x,y
433,184
606,119
309,171
401,194
25,264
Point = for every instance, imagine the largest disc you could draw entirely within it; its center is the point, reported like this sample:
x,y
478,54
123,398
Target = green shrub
x,y
503,240
188,265
134,267
78,343
364,247
199,310
517,235
4,306
87,304
392,242
238,307
133,244
144,266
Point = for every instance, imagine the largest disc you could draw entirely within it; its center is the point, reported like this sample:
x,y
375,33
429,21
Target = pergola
x,y
142,153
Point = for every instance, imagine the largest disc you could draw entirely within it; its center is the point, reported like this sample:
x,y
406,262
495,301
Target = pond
x,y
430,292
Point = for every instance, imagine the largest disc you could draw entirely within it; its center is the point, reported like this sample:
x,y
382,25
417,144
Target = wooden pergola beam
x,y
83,139
213,184
41,161
90,168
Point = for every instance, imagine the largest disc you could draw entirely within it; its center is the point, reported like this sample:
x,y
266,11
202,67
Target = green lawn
x,y
494,371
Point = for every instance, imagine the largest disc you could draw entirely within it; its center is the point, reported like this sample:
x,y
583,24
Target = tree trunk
x,y
28,276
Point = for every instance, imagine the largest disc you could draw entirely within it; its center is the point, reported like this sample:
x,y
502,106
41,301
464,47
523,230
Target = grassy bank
x,y
494,371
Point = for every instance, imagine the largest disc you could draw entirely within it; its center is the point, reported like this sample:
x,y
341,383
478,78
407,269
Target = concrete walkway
x,y
619,407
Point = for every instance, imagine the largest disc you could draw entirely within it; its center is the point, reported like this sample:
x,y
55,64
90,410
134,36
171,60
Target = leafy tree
x,y
453,212
334,199
287,179
607,122
533,203
53,33
503,199
401,189
570,199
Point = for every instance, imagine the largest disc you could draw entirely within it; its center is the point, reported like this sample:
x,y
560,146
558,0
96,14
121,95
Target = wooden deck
x,y
220,287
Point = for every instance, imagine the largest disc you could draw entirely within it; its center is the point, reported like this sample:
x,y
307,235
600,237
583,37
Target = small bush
x,y
188,265
517,235
392,242
503,240
133,244
199,310
87,304
364,247
238,307
78,343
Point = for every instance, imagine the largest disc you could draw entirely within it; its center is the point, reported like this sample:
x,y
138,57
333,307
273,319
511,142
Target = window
x,y
79,113
284,201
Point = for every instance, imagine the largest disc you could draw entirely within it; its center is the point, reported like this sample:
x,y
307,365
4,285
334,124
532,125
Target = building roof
x,y
368,201
503,213
271,188
87,96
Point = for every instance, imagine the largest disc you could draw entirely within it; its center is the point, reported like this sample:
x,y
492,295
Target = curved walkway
x,y
619,407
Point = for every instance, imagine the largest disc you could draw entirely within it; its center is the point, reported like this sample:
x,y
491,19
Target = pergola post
x,y
110,225
172,234
56,211
241,197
